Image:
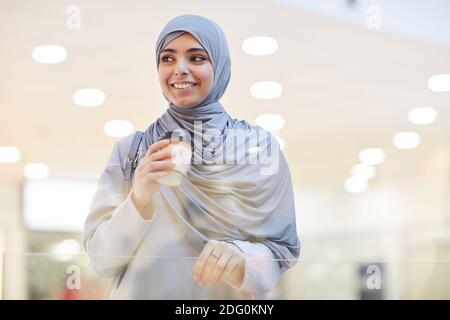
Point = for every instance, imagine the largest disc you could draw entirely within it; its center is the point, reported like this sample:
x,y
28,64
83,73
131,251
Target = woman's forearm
x,y
145,208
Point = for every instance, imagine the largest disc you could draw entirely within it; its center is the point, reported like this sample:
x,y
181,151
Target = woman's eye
x,y
195,59
200,57
164,59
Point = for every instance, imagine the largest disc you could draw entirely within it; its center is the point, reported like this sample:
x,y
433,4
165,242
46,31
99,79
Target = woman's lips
x,y
183,89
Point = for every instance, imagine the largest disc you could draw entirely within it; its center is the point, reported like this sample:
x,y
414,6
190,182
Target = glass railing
x,y
54,276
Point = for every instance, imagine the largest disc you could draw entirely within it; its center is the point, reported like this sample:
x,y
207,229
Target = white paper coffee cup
x,y
181,154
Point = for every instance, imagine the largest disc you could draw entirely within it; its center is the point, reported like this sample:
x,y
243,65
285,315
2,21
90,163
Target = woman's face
x,y
184,62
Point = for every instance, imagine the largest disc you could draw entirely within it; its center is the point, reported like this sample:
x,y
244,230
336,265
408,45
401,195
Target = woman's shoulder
x,y
247,126
124,143
251,130
120,152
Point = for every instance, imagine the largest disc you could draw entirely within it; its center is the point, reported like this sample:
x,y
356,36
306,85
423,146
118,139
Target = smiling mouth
x,y
183,88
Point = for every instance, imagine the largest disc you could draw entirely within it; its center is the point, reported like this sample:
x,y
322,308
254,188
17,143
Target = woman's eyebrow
x,y
188,50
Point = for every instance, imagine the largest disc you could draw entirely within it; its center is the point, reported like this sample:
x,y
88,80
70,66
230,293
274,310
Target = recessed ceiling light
x,y
49,54
118,128
271,121
266,90
371,156
422,115
36,171
9,154
439,83
89,97
259,46
355,185
406,140
363,171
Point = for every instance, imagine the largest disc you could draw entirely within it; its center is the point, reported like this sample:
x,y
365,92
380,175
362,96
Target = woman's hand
x,y
219,261
156,163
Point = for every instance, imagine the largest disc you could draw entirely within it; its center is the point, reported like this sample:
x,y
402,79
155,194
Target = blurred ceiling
x,y
345,87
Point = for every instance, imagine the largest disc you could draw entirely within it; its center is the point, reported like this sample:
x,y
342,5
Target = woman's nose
x,y
181,67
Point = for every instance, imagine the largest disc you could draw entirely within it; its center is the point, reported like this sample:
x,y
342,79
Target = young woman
x,y
228,230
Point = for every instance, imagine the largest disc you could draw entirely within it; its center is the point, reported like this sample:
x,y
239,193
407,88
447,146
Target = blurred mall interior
x,y
357,92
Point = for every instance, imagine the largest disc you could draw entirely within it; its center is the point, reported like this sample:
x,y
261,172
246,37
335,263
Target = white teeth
x,y
183,86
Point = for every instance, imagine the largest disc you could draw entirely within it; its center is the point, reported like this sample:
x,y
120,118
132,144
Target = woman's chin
x,y
184,104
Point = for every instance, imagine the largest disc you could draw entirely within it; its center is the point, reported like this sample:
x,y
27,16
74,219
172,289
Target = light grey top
x,y
152,258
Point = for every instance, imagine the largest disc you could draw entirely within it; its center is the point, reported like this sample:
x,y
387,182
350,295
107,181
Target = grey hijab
x,y
225,200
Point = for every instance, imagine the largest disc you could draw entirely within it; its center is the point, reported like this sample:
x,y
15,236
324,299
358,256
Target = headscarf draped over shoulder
x,y
241,189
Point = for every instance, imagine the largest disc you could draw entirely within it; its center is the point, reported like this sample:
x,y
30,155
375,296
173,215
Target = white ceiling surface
x,y
344,87
426,20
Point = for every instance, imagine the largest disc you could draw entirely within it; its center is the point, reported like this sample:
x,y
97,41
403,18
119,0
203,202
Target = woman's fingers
x,y
218,269
199,265
156,175
156,166
210,265
165,153
156,146
230,267
210,269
